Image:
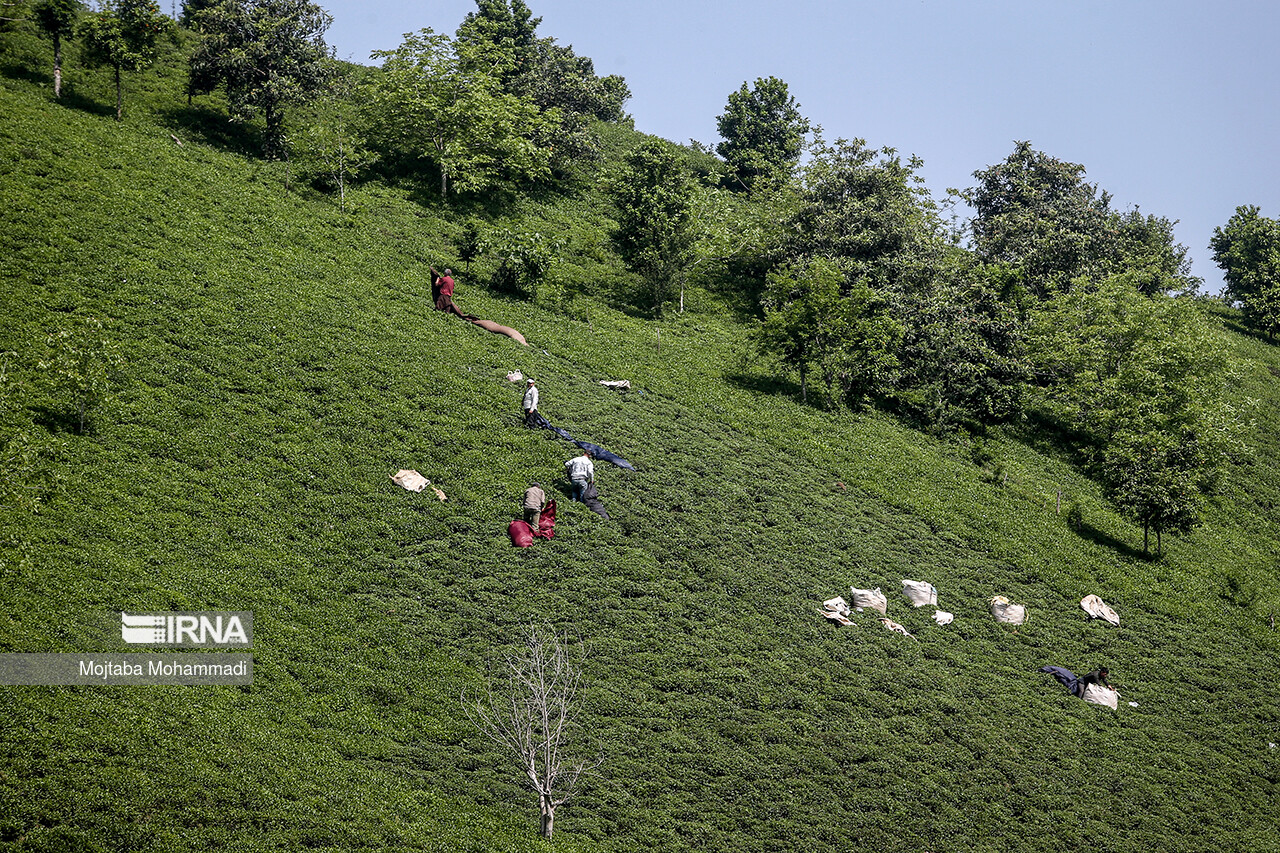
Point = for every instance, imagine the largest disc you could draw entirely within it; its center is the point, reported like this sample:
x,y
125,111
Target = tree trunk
x,y
57,66
1146,539
119,96
275,132
548,816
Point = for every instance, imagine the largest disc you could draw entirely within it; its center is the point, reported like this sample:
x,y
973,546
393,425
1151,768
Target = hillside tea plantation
x,y
279,360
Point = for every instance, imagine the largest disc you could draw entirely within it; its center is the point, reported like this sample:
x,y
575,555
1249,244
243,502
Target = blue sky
x,y
1170,105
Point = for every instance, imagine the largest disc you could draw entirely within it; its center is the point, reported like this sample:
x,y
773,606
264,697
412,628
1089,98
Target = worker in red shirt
x,y
442,292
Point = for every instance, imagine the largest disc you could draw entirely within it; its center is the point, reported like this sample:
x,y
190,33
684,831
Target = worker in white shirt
x,y
530,403
581,472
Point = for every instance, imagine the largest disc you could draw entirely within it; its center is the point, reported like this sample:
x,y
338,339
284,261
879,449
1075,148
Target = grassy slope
x,y
281,363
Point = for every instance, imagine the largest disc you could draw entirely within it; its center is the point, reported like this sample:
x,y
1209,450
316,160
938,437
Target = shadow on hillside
x,y
1106,540
1241,329
15,71
211,127
63,420
771,385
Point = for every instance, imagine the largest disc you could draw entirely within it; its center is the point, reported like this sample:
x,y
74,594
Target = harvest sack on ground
x,y
920,593
1099,609
873,598
522,535
1006,611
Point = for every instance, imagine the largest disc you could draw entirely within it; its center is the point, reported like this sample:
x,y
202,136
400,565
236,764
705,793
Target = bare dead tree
x,y
530,710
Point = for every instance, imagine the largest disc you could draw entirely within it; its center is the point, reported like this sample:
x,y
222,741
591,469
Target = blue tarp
x,y
594,449
1065,677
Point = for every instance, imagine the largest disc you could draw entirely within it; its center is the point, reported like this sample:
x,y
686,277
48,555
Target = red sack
x,y
547,523
521,534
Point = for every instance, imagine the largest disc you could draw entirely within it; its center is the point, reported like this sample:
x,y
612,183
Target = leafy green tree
x,y
432,101
57,20
504,26
1146,248
1037,214
870,213
763,131
814,320
123,35
266,54
526,261
79,368
500,39
963,351
653,194
1139,382
1247,249
332,144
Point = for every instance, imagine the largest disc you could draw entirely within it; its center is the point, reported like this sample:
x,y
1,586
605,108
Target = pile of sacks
x,y
919,593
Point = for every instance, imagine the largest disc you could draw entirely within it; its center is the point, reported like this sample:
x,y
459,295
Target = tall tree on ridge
x,y
653,195
763,131
1248,250
123,34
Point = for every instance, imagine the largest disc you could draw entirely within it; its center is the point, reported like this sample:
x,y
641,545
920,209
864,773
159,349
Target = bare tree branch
x,y
531,712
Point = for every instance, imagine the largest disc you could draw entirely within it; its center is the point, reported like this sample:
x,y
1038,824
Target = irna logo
x,y
209,628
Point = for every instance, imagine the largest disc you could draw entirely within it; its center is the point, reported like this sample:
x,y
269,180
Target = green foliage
x,y
813,318
331,145
436,101
79,368
1247,249
763,132
653,196
123,35
1143,383
963,353
871,216
1038,214
281,365
265,54
29,476
525,262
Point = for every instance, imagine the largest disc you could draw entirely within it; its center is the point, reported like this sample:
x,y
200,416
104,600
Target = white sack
x,y
1100,695
873,598
942,617
1099,609
515,376
411,480
620,384
836,605
920,593
1007,612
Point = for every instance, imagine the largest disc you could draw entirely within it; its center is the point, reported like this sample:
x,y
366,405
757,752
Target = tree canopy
x,y
265,54
653,196
1038,214
763,132
123,35
1247,249
433,101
